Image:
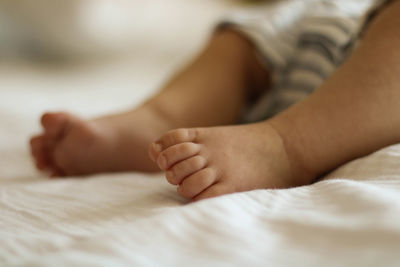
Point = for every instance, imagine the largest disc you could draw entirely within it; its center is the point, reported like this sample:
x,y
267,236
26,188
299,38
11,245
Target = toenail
x,y
157,147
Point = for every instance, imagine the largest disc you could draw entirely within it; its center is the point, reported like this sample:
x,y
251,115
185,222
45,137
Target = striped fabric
x,y
303,42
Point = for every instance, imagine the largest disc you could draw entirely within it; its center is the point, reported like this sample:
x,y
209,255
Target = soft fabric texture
x,y
132,219
301,43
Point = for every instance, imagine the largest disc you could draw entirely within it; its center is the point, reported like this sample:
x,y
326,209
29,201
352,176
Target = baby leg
x,y
226,69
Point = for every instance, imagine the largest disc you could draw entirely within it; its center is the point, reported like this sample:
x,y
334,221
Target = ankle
x,y
121,125
164,120
301,172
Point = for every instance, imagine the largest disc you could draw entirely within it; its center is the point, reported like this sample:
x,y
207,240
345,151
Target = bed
x,y
349,218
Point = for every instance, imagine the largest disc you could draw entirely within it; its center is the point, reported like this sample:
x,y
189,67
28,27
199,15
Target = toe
x,y
179,171
197,183
38,151
176,137
54,124
61,164
154,150
174,154
215,190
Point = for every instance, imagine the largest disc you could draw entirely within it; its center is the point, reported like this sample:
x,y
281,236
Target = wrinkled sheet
x,y
132,219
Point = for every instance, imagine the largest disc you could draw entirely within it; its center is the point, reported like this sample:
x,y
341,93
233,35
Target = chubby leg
x,y
227,69
355,112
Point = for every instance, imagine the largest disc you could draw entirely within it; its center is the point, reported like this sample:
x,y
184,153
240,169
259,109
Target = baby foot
x,y
72,146
208,162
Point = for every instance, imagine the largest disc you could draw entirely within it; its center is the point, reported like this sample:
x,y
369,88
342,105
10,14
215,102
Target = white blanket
x,y
132,219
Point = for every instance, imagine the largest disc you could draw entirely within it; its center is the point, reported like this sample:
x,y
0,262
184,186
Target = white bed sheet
x,y
133,219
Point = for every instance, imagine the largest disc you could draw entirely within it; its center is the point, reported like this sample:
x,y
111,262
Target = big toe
x,y
54,124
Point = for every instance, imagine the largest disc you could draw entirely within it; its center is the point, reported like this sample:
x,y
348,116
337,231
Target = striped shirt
x,y
302,42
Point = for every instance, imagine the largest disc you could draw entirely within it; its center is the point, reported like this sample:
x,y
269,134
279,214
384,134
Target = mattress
x,y
349,218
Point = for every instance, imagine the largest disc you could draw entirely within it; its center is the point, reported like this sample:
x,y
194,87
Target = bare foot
x,y
227,68
208,162
72,146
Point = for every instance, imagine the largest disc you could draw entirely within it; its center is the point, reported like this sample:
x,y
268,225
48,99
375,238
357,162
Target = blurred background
x,y
90,57
101,43
66,29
